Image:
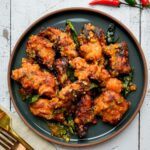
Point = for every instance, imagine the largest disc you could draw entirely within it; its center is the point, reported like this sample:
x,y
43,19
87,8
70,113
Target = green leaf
x,y
33,99
131,2
93,85
70,74
73,32
59,130
110,34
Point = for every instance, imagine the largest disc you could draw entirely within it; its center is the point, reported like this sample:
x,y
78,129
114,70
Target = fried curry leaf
x,y
63,130
70,74
32,98
59,131
73,32
110,34
128,84
71,125
93,85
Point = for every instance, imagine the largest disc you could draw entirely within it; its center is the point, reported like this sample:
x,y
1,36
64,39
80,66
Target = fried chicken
x,y
83,70
114,84
111,106
40,49
63,42
61,65
119,61
74,79
73,90
92,41
45,108
84,115
32,77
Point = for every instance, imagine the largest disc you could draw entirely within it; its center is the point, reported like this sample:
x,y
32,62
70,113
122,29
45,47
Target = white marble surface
x,y
17,15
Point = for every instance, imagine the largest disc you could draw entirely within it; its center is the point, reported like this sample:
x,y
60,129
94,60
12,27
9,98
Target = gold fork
x,y
9,139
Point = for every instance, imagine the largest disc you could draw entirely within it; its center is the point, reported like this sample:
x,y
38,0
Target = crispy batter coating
x,y
119,61
92,41
45,108
73,90
111,106
41,50
63,42
84,114
83,70
114,84
61,65
32,77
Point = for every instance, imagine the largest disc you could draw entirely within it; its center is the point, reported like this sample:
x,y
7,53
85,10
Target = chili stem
x,y
137,5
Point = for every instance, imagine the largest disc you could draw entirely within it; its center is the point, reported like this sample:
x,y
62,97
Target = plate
x,y
79,16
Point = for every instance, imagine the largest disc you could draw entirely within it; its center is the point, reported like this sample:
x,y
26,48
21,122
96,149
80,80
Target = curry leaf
x,y
73,32
32,99
110,34
70,74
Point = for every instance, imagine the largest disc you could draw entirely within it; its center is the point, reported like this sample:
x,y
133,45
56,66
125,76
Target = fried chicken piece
x,y
33,78
40,49
45,108
61,65
73,90
84,115
111,106
83,70
119,61
92,41
63,42
114,84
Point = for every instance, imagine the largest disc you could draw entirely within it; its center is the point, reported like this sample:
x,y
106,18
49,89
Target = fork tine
x,y
6,133
5,141
4,146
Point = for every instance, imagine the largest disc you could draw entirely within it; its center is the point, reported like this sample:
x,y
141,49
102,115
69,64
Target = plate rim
x,y
97,12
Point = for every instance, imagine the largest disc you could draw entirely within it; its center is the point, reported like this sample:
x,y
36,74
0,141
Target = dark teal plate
x,y
79,16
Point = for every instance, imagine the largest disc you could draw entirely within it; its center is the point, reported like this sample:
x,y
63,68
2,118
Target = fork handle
x,y
22,141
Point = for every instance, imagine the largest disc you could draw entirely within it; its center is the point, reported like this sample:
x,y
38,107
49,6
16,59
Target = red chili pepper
x,y
115,3
145,3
